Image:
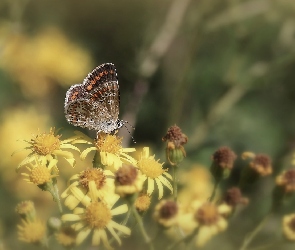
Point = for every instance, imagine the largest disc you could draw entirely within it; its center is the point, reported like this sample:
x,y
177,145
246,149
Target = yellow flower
x,y
143,202
153,171
289,227
286,180
166,213
128,180
40,173
77,190
46,146
53,58
32,231
97,217
110,150
210,220
260,163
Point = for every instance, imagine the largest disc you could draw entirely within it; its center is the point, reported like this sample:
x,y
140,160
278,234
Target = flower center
x,y
126,175
207,214
262,160
224,157
45,144
94,174
143,202
168,210
109,143
150,167
40,175
97,215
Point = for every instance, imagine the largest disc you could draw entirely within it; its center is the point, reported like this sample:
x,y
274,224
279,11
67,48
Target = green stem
x,y
53,189
141,228
214,190
57,198
248,239
185,239
174,173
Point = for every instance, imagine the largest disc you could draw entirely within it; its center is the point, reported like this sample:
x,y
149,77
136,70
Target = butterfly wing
x,y
103,88
77,107
94,104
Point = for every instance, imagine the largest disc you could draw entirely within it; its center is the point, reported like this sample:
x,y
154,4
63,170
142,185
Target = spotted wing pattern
x,y
94,104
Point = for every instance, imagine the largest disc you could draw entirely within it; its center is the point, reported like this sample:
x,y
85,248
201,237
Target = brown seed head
x,y
224,157
175,135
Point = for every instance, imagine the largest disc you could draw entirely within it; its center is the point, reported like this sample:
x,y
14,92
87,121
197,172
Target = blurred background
x,y
223,71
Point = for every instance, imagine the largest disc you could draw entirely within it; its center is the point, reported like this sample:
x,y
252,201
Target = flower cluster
x,y
116,182
122,181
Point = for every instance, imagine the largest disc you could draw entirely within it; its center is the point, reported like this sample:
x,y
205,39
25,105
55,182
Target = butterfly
x,y
94,104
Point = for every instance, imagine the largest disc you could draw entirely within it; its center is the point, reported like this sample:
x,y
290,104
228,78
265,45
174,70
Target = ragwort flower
x,y
111,152
128,180
79,186
46,146
142,203
33,232
210,220
41,174
153,171
166,213
97,217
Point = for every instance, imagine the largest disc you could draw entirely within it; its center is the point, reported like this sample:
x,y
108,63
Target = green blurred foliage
x,y
226,79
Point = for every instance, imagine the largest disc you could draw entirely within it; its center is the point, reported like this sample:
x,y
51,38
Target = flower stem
x,y
248,239
185,239
53,189
174,173
141,228
57,198
214,190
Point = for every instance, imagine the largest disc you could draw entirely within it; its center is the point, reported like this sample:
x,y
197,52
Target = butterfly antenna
x,y
129,130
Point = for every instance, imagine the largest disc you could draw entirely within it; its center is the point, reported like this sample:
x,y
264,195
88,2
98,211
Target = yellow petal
x,y
145,152
104,239
160,187
96,237
120,227
71,202
70,217
86,152
165,182
151,186
203,236
119,210
82,235
115,235
69,146
64,153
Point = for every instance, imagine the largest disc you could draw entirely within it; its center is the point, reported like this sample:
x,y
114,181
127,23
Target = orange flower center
x,y
207,214
150,167
98,215
45,144
108,143
94,174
